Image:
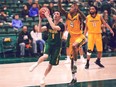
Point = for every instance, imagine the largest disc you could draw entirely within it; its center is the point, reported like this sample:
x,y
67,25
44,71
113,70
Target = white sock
x,y
73,76
68,57
43,77
75,63
42,80
81,57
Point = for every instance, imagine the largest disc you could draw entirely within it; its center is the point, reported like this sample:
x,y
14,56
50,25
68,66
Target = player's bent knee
x,y
89,52
45,56
73,47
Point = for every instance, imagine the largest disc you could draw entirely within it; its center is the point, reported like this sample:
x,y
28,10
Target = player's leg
x,y
74,70
81,54
54,57
67,50
41,59
89,52
99,49
75,48
90,49
67,56
48,69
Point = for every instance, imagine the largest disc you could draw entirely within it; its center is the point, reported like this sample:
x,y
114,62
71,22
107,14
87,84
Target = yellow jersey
x,y
94,24
73,25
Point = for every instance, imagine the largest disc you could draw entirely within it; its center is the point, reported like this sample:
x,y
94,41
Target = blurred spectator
x,y
106,32
98,4
1,24
90,2
47,1
25,12
51,8
24,41
112,3
3,16
33,12
106,17
66,1
6,11
108,5
20,1
113,38
17,23
29,4
14,1
57,0
38,42
54,0
0,5
44,5
105,39
37,3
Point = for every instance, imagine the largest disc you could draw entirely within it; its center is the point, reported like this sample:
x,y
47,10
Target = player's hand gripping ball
x,y
42,11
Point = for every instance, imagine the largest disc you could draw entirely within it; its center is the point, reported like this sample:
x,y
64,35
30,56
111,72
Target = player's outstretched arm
x,y
40,28
60,8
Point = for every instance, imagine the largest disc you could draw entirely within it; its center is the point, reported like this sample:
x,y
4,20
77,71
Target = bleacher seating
x,y
16,7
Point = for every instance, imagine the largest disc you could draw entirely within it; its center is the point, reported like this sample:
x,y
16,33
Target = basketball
x,y
42,11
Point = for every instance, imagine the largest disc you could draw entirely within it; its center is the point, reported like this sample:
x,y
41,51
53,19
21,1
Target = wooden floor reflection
x,y
18,75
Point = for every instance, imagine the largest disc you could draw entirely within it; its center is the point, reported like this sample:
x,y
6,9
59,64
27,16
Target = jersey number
x,y
94,24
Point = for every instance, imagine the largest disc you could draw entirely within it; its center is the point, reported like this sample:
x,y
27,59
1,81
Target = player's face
x,y
72,9
92,10
56,15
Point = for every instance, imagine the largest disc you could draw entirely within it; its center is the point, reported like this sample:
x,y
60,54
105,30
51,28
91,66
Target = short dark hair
x,y
95,8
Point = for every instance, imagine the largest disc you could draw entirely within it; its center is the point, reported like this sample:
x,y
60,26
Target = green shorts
x,y
53,53
68,40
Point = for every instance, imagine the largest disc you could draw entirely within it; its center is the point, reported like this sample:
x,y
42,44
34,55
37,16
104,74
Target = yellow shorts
x,y
95,39
80,39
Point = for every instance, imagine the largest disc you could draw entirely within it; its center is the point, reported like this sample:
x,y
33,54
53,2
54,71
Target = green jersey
x,y
55,36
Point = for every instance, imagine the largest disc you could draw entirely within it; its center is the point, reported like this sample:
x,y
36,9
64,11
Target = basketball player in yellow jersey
x,y
93,26
77,39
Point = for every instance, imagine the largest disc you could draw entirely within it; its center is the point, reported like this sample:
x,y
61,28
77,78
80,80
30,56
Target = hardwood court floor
x,y
18,75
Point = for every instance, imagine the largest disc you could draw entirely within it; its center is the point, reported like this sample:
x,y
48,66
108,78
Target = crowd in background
x,y
27,38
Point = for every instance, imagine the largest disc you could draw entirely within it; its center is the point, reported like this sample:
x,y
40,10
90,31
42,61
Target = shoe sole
x,y
99,65
71,84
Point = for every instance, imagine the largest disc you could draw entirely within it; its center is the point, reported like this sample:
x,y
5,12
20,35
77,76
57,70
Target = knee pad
x,y
89,52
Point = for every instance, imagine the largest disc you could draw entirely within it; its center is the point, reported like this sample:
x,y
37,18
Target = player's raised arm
x,y
60,8
50,20
40,28
81,14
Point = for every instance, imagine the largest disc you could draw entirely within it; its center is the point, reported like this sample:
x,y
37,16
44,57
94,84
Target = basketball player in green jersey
x,y
53,45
